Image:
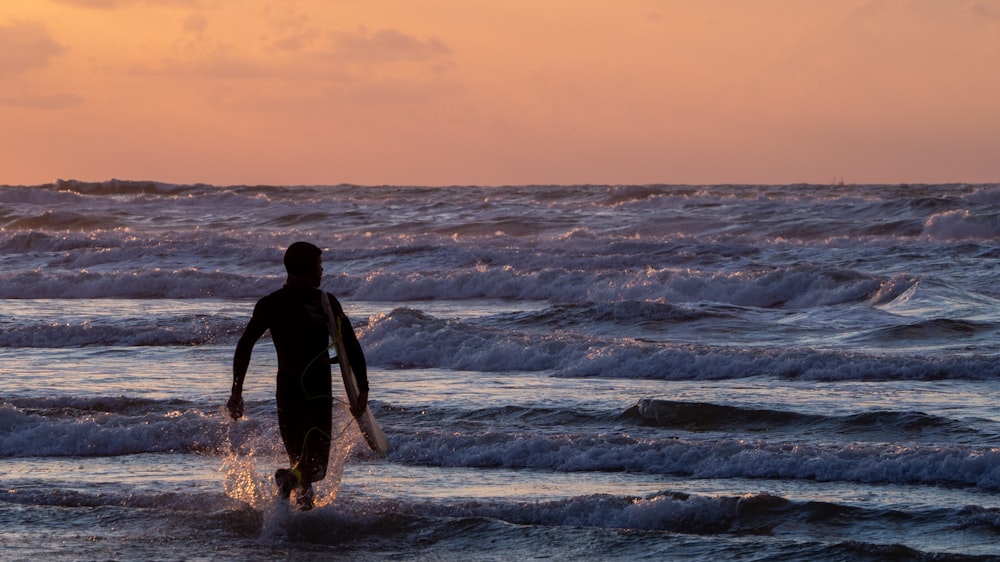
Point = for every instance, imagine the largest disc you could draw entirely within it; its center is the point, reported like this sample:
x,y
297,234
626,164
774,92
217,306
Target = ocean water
x,y
733,372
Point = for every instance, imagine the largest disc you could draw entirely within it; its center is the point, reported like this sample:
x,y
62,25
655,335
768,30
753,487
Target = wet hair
x,y
300,258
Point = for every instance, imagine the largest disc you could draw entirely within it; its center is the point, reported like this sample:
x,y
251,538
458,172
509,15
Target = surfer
x,y
298,323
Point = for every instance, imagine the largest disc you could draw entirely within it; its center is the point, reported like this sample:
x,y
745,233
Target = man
x,y
298,323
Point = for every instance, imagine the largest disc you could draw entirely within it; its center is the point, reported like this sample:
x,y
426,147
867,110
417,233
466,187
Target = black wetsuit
x,y
295,317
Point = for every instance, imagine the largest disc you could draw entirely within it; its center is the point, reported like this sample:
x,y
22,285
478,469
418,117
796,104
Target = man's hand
x,y
362,404
235,406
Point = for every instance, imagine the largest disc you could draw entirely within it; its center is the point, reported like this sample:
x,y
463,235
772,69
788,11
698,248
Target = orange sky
x,y
442,92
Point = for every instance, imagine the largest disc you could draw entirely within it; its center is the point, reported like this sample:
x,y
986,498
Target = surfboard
x,y
370,428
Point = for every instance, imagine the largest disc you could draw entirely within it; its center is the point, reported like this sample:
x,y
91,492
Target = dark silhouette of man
x,y
298,323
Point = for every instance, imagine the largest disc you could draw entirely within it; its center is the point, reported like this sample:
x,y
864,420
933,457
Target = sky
x,y
500,92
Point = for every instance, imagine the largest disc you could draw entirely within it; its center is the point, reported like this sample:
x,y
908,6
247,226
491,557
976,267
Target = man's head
x,y
302,259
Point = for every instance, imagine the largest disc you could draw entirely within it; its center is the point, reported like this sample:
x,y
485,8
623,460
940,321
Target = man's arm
x,y
241,360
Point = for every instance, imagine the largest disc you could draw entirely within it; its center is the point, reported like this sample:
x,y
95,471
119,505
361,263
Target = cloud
x,y
25,46
97,4
115,4
982,10
292,30
386,45
42,101
220,61
195,23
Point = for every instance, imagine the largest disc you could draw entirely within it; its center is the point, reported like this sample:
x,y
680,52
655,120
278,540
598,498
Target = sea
x,y
569,372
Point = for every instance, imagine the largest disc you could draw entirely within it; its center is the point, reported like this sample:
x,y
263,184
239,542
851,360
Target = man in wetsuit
x,y
295,316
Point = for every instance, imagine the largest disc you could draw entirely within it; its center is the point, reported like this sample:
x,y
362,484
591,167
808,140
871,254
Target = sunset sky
x,y
490,92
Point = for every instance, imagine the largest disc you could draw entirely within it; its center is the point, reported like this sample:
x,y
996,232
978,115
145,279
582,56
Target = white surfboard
x,y
370,428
